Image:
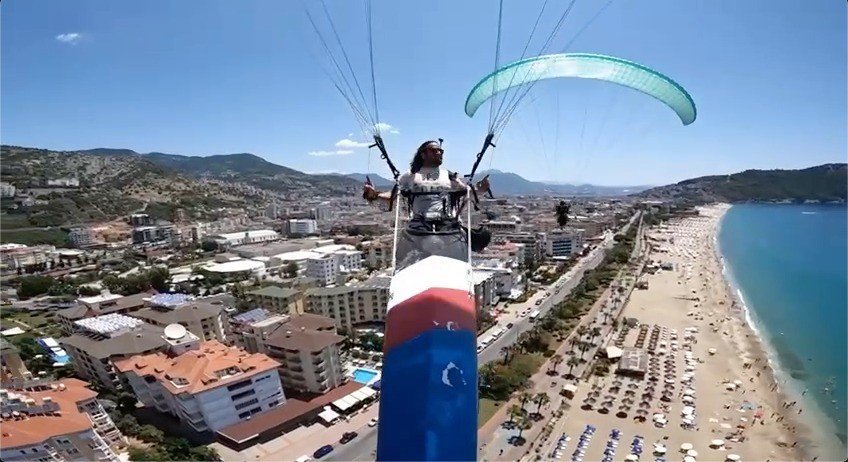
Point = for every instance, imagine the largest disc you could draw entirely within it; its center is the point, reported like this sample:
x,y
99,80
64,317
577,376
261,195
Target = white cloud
x,y
384,127
348,143
71,38
340,152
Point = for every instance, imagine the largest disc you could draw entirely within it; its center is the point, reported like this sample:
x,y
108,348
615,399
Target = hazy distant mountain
x,y
824,183
378,181
511,184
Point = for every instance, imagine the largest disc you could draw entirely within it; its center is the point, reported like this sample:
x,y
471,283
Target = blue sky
x,y
213,77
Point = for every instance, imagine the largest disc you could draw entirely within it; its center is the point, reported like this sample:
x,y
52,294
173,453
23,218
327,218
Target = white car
x,y
373,422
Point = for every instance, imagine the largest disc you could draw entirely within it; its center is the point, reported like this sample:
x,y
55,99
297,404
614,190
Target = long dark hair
x,y
417,160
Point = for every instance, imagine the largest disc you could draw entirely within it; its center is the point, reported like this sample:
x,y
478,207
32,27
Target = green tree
x,y
541,399
158,277
30,286
572,361
209,246
151,434
556,360
137,453
515,412
290,270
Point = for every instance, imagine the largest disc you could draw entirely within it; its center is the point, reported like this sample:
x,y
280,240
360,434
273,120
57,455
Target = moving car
x,y
348,437
322,451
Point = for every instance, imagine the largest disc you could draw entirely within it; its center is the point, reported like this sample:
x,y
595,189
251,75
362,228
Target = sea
x,y
789,266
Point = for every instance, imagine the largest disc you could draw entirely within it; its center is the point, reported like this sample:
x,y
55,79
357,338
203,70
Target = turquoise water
x,y
364,376
790,263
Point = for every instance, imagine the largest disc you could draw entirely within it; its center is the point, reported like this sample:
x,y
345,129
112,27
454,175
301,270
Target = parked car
x,y
348,437
322,451
509,325
373,422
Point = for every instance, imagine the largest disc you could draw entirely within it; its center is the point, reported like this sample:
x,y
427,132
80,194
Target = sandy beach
x,y
709,393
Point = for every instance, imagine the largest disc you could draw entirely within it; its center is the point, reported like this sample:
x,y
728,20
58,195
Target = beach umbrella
x,y
665,398
590,400
659,449
629,393
647,396
688,391
688,399
627,401
642,412
632,386
609,398
621,415
669,381
631,457
692,453
733,457
688,410
616,383
717,443
685,447
586,407
644,405
606,404
737,382
614,389
603,410
688,459
653,378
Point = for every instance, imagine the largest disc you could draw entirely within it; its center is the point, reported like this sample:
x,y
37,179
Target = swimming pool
x,y
364,376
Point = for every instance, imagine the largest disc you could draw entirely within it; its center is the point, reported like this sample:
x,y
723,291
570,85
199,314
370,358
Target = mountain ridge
x,y
823,183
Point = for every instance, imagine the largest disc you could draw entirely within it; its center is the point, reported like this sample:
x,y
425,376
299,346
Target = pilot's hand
x,y
483,185
369,193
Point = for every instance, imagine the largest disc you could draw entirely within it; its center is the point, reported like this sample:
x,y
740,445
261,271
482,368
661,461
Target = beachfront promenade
x,y
496,439
706,391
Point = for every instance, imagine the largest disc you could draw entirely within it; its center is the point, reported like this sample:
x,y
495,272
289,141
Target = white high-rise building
x,y
564,243
324,268
302,227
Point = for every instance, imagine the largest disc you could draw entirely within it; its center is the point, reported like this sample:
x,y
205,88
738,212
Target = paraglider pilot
x,y
562,213
435,196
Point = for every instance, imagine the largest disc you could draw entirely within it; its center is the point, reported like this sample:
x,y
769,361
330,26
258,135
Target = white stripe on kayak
x,y
433,272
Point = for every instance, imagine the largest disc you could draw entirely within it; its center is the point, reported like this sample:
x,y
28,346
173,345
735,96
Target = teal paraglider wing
x,y
585,66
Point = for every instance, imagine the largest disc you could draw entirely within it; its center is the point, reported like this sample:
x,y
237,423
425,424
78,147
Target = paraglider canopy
x,y
586,66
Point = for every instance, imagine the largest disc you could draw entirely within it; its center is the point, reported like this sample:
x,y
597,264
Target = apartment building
x,y
301,227
56,421
88,307
378,253
564,243
209,386
245,237
81,237
351,304
250,329
278,299
100,341
308,348
204,317
14,256
322,268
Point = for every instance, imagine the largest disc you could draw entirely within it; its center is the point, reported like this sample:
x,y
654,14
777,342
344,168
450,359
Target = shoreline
x,y
809,428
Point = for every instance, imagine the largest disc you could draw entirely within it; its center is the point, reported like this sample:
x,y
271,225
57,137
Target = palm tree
x,y
515,412
556,360
596,331
541,400
581,331
524,397
507,351
572,361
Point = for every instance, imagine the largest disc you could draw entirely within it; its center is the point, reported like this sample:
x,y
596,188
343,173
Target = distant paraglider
x,y
562,210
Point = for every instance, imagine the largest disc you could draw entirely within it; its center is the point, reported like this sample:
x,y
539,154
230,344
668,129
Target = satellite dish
x,y
175,331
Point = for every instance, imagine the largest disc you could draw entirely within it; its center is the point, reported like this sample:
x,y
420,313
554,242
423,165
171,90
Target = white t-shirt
x,y
429,179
